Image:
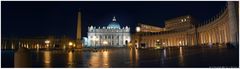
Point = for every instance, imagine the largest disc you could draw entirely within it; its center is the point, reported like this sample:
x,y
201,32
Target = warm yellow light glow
x,y
47,57
27,46
70,43
70,59
95,38
74,45
12,46
105,42
181,55
64,46
157,40
130,44
138,29
158,47
181,20
94,59
105,59
163,43
99,59
47,41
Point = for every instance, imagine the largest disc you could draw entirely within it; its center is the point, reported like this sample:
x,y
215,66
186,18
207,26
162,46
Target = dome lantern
x,y
114,24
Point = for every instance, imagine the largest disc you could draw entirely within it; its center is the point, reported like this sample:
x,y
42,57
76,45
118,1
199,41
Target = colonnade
x,y
174,39
34,43
219,31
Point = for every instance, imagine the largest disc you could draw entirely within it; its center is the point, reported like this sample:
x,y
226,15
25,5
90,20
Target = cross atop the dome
x,y
114,19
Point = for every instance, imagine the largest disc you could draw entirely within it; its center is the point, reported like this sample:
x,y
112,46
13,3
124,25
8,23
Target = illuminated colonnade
x,y
219,31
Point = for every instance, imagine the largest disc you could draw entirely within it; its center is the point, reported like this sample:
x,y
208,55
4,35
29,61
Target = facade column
x,y
186,40
225,33
203,37
148,42
183,40
233,24
175,41
213,36
206,37
209,37
200,37
216,35
170,41
193,39
152,42
220,35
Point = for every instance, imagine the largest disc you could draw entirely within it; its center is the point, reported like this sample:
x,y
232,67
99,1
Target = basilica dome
x,y
114,24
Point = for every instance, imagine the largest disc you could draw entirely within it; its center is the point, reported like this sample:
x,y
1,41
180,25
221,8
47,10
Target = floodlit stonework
x,y
185,31
112,35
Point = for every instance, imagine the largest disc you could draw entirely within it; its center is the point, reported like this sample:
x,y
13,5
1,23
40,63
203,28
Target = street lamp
x,y
138,29
47,43
70,44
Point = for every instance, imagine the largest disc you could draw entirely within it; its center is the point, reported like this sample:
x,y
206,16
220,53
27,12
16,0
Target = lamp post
x,y
138,30
70,44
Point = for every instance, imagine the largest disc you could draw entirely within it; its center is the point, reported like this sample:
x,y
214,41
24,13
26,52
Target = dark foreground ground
x,y
124,58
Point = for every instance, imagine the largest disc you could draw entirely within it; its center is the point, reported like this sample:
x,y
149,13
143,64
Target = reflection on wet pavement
x,y
131,57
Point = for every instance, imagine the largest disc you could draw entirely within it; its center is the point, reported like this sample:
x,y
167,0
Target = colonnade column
x,y
233,24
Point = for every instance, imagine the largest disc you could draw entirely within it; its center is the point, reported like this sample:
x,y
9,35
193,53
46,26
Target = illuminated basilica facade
x,y
221,30
112,35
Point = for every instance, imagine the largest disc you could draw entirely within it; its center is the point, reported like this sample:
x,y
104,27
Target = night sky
x,y
24,18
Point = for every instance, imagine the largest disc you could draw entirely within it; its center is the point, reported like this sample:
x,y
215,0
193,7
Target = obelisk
x,y
78,36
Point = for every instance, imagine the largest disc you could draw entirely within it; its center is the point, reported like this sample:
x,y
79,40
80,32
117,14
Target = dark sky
x,y
60,18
